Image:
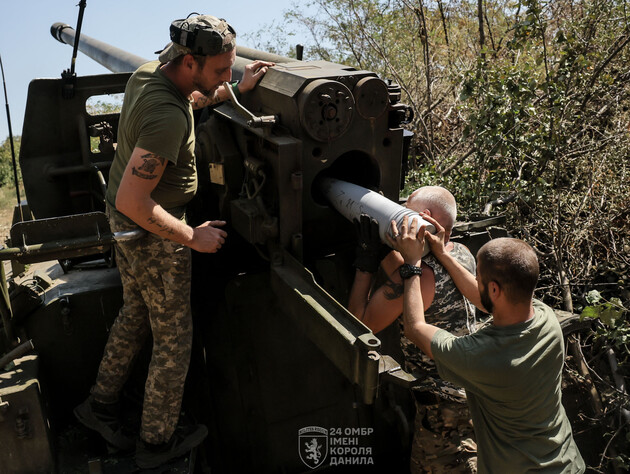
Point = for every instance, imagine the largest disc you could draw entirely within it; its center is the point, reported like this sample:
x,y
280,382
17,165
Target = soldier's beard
x,y
485,300
207,92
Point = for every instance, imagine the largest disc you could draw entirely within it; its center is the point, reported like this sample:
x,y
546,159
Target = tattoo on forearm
x,y
203,100
162,227
147,169
393,290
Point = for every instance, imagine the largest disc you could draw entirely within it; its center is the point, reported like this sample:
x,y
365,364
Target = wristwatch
x,y
407,271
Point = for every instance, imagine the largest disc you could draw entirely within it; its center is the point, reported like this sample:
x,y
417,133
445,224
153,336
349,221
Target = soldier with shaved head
x,y
511,369
443,436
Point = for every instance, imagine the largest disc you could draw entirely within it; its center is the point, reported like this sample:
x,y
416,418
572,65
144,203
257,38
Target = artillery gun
x,y
277,359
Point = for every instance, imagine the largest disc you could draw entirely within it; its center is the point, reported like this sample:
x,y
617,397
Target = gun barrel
x,y
118,60
253,54
114,59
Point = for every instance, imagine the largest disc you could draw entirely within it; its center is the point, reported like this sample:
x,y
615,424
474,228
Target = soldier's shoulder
x,y
461,253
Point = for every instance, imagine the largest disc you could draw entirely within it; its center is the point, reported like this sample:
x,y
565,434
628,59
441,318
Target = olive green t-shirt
x,y
157,117
512,376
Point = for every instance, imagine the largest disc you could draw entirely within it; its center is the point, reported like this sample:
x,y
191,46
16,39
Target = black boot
x,y
104,419
184,439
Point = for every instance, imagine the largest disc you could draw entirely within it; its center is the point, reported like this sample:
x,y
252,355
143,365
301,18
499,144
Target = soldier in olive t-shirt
x,y
511,370
504,371
142,125
152,178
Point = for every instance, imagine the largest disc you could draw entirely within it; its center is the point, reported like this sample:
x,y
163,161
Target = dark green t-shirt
x,y
512,376
157,117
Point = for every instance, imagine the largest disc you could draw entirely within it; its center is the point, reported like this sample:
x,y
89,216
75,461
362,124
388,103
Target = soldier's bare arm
x,y
465,281
141,176
253,73
200,101
411,248
386,303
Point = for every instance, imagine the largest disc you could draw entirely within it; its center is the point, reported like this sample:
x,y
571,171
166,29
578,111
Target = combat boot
x,y
104,419
184,439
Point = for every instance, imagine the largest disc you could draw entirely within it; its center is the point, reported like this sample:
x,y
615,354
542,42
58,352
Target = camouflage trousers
x,y
155,276
444,440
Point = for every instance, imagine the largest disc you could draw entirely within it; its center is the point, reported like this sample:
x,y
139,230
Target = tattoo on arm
x,y
203,101
147,169
162,227
393,290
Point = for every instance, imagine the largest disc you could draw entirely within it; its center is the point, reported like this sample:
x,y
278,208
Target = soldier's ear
x,y
494,289
188,61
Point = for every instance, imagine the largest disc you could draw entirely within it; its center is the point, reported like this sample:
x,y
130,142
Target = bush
x,y
6,162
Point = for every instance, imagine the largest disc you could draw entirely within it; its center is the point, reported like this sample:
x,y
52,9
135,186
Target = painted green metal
x,y
63,237
347,342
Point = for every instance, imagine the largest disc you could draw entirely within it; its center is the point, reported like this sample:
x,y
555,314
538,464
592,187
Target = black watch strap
x,y
407,271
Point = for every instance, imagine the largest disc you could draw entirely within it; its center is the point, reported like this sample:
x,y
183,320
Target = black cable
x,y
75,49
15,176
68,75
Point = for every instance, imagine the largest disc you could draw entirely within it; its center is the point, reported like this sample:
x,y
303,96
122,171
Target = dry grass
x,y
8,201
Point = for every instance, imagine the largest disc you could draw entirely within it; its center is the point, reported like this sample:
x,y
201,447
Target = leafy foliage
x,y
6,162
609,312
104,104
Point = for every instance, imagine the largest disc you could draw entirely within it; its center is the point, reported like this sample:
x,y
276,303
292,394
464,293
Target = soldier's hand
x,y
208,237
408,241
369,245
435,241
253,72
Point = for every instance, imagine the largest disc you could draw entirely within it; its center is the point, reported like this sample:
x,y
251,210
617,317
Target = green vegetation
x,y
6,162
521,108
8,198
104,104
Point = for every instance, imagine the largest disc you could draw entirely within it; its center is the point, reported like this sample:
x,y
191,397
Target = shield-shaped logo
x,y
313,445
